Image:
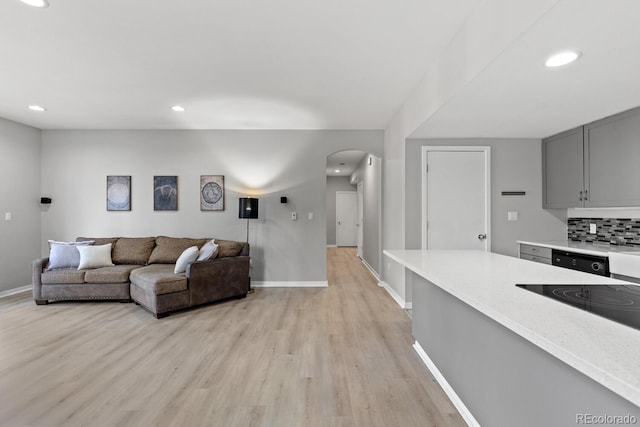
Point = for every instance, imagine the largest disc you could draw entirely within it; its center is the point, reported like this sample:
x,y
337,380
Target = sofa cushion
x,y
159,279
116,274
134,250
168,249
95,256
228,248
68,276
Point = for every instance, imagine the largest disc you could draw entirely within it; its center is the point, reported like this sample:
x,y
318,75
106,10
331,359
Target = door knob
x,y
482,236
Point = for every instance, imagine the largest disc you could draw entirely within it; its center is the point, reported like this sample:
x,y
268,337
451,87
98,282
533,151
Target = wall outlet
x,y
8,216
294,216
592,228
512,216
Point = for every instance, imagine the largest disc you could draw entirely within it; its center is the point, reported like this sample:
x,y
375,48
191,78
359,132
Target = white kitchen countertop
x,y
604,350
601,249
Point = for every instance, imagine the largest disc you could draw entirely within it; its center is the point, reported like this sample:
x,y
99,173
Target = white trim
x,y
360,230
371,270
289,284
397,298
487,185
15,291
446,387
332,246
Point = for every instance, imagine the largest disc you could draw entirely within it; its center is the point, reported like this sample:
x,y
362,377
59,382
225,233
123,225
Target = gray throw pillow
x,y
65,254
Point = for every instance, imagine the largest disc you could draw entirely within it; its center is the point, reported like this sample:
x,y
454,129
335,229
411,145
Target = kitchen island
x,y
507,356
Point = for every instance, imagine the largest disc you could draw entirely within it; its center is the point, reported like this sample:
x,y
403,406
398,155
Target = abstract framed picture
x,y
211,192
118,193
165,193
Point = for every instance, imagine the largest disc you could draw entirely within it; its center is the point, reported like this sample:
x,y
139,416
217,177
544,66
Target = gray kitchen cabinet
x,y
612,160
595,165
563,170
535,253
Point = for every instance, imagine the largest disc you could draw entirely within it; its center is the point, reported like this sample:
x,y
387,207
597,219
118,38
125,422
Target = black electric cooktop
x,y
620,303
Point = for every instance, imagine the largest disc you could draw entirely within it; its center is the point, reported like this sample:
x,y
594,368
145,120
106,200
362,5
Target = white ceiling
x,y
233,64
302,64
517,96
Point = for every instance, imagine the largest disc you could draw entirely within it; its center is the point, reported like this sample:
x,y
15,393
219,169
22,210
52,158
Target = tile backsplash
x,y
617,231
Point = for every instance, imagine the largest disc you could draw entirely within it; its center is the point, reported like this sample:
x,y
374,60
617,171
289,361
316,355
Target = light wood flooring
x,y
336,356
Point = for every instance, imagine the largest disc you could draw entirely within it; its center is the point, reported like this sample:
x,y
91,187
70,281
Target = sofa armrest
x,y
218,279
38,266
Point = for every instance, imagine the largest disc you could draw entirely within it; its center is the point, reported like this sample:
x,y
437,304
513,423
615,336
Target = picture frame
x,y
118,193
165,193
211,192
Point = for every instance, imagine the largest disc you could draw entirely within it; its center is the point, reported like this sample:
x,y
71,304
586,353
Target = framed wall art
x,y
211,192
165,193
118,193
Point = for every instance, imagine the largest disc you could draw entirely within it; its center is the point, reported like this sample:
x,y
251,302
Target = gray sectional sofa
x,y
143,271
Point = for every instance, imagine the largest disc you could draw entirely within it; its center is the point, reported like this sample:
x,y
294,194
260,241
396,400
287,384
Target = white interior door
x,y
346,218
456,198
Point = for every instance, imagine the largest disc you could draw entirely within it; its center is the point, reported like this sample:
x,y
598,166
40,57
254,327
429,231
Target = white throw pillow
x,y
95,256
209,251
188,256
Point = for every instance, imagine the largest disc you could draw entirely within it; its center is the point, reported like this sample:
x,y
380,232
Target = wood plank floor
x,y
336,356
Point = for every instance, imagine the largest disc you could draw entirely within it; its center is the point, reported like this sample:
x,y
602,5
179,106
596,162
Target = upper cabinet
x,y
563,170
596,165
612,158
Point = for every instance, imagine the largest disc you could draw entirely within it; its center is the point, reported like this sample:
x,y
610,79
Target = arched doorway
x,y
344,191
356,176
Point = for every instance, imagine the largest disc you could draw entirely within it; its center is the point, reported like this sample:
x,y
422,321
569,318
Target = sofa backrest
x,y
127,250
168,249
162,249
229,248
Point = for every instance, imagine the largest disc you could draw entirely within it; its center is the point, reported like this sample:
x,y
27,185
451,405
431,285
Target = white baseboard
x,y
289,284
332,246
14,291
397,298
446,387
371,270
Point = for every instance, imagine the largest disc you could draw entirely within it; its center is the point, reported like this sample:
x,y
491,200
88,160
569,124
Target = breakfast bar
x,y
507,356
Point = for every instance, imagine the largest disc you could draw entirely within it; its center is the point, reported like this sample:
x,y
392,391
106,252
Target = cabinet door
x,y
563,167
612,160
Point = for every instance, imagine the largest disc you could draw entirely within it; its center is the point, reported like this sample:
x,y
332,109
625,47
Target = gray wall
x,y
334,184
516,164
371,177
20,195
266,164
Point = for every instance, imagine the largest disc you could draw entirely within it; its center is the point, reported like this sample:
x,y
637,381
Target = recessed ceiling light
x,y
36,3
337,171
178,108
37,108
562,58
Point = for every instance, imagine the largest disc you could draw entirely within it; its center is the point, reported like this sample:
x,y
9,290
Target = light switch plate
x,y
512,216
310,216
8,216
